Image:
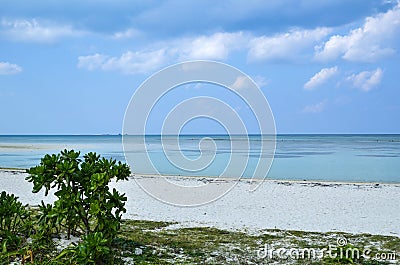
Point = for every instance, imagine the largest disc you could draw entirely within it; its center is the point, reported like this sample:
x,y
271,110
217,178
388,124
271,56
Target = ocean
x,y
351,158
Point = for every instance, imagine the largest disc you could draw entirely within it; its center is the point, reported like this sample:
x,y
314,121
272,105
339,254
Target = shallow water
x,y
311,157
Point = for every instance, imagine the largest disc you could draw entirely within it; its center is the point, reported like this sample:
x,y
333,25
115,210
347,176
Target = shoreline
x,y
356,208
304,181
216,178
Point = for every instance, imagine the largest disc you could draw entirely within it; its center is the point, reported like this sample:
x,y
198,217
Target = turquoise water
x,y
310,157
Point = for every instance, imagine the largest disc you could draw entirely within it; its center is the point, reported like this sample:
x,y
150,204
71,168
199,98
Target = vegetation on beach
x,y
151,242
167,243
85,207
15,219
84,202
88,213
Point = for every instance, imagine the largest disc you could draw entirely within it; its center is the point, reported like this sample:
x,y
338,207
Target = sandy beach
x,y
294,205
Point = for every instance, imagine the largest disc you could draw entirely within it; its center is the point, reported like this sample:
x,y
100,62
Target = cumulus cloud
x,y
92,62
9,68
366,80
129,62
216,46
286,45
35,31
368,43
315,108
321,77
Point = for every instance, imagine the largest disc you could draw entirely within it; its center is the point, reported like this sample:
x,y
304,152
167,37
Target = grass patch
x,y
206,245
153,242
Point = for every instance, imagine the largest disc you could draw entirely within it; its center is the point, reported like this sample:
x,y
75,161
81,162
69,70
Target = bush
x,y
15,223
93,249
85,205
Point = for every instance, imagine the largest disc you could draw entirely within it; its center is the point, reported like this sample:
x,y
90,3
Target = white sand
x,y
294,205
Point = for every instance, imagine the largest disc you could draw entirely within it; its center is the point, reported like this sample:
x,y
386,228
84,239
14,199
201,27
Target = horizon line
x,y
197,134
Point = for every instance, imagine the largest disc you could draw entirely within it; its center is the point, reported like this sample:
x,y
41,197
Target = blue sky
x,y
70,67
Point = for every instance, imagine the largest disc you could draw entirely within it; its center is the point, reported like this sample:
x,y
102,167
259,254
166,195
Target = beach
x,y
317,206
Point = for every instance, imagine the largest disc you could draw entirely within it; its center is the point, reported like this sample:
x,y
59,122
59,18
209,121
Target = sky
x,y
71,67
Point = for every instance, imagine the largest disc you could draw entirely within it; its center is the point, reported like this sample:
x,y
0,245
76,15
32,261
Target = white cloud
x,y
315,108
35,31
321,77
127,34
9,69
92,62
366,80
129,62
286,45
244,82
216,46
260,81
368,43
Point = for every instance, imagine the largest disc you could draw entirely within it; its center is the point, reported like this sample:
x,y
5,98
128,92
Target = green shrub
x,y
15,222
85,205
94,249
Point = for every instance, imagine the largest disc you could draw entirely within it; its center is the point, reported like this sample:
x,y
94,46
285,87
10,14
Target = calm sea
x,y
297,157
